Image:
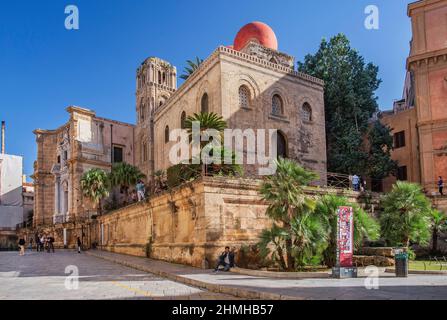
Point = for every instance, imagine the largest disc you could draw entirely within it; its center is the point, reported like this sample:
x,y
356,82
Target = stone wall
x,y
193,223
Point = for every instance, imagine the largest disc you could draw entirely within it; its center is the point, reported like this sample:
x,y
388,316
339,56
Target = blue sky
x,y
44,67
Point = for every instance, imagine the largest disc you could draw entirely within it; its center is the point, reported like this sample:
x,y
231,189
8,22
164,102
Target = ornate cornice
x,y
429,58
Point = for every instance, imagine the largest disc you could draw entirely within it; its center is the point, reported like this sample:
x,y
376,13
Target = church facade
x,y
250,84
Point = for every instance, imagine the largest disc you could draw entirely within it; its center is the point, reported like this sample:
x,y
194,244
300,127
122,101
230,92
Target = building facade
x,y
63,155
419,121
251,85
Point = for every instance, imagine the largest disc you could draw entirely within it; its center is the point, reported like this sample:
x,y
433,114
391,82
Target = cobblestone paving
x,y
43,276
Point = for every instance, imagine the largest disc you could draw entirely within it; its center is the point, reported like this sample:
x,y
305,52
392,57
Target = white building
x,y
11,197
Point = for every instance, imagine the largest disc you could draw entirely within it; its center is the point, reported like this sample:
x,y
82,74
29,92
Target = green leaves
x,y
406,215
125,175
284,190
349,100
191,67
95,185
365,227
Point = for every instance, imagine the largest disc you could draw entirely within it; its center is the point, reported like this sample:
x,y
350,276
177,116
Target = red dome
x,y
257,31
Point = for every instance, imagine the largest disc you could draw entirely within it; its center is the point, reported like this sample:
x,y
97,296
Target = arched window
x,y
277,105
183,120
281,145
167,134
204,103
307,112
244,97
164,77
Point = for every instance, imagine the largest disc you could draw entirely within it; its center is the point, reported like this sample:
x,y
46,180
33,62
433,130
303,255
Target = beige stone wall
x,y
192,224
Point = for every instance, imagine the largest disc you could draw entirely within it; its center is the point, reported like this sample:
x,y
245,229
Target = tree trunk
x,y
434,247
289,244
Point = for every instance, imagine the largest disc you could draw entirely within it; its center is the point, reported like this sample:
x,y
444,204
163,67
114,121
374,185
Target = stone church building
x,y
251,84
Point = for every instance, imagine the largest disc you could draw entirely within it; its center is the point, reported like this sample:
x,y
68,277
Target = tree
x,y
191,68
212,121
349,100
380,141
95,186
125,175
438,224
207,121
272,243
287,201
365,227
406,215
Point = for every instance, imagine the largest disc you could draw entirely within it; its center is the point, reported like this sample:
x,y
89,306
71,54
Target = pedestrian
x,y
362,185
441,186
42,243
356,182
226,259
30,243
22,246
50,244
140,190
79,244
37,240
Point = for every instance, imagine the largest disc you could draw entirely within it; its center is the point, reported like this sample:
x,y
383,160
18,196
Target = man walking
x,y
441,186
79,244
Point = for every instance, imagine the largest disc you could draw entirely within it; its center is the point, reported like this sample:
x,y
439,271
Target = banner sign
x,y
345,236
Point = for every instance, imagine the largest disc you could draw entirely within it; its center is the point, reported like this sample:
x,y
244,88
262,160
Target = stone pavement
x,y
390,287
42,275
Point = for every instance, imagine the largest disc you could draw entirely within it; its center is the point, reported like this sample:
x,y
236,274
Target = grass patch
x,y
425,265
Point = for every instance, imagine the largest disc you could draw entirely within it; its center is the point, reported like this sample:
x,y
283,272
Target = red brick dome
x,y
256,31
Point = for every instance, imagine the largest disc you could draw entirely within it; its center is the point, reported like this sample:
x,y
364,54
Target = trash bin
x,y
401,264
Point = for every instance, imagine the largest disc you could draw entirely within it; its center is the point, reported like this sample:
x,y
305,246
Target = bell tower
x,y
156,81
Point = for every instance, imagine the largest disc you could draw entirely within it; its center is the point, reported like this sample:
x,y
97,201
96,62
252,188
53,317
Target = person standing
x,y
441,186
50,244
79,244
30,243
140,190
22,246
356,182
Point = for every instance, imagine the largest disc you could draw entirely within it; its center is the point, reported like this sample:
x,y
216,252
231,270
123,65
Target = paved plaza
x,y
41,275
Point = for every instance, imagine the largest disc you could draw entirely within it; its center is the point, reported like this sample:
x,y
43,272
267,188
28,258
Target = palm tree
x,y
125,175
309,239
95,186
207,121
212,121
272,244
192,66
287,201
405,215
364,225
438,225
